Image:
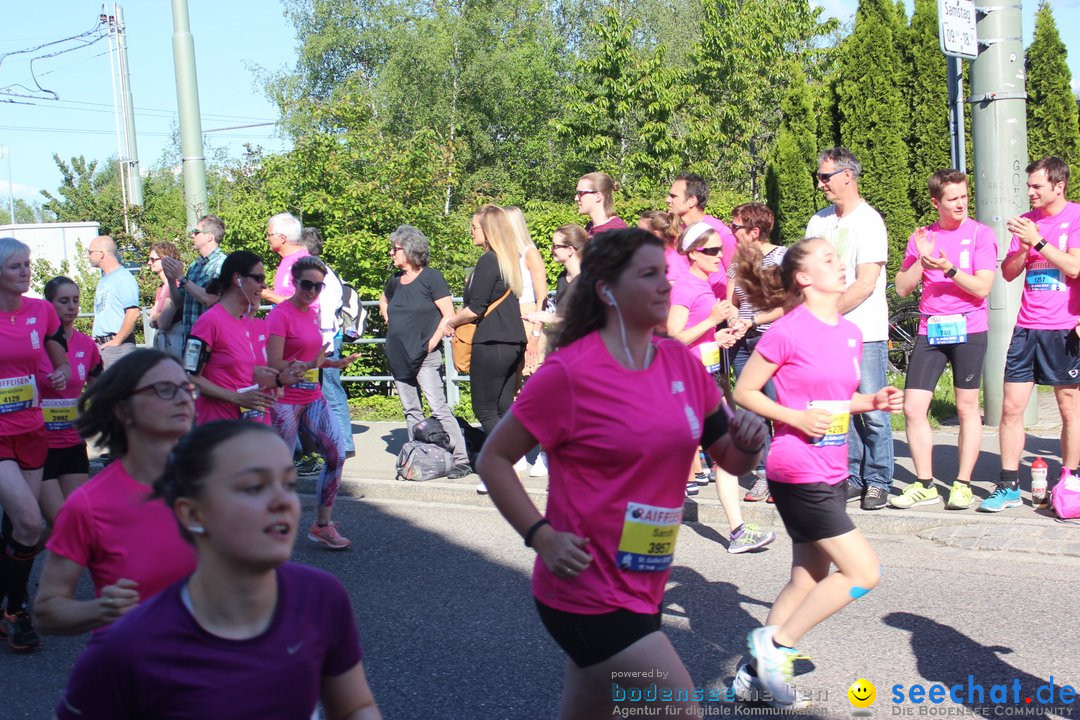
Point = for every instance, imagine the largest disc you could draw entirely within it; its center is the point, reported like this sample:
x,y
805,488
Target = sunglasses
x,y
308,285
556,246
579,193
166,390
825,177
151,260
736,227
257,277
194,231
713,251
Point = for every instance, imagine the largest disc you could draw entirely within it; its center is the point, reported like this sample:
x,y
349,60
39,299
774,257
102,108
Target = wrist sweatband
x,y
715,426
532,530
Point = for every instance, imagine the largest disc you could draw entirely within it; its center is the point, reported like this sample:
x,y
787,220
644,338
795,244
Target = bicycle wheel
x,y
903,329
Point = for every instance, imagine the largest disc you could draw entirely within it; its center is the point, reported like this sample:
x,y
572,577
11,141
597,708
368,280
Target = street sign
x,y
956,28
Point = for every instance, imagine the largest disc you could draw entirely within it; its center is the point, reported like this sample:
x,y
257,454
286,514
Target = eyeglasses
x,y
257,277
395,248
825,177
91,252
151,260
557,246
308,285
194,231
713,251
736,227
579,193
166,390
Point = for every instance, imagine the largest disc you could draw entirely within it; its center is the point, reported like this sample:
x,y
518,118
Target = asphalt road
x,y
441,595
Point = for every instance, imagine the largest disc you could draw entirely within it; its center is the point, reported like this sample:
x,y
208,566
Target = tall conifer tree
x,y
1052,123
789,187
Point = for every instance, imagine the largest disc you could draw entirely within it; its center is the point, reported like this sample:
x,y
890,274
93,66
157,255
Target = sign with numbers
x,y
956,28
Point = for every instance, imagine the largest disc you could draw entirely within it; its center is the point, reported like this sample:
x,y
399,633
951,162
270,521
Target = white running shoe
x,y
747,687
775,669
539,468
521,465
481,488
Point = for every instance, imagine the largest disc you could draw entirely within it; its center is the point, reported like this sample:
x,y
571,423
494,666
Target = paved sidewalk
x,y
371,474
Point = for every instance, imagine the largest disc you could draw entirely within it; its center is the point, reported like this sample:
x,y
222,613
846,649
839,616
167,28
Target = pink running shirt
x,y
616,439
283,279
111,527
677,264
22,337
1051,300
303,341
817,361
698,297
970,247
236,346
61,408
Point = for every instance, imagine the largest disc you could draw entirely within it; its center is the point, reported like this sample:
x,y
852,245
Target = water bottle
x,y
1038,483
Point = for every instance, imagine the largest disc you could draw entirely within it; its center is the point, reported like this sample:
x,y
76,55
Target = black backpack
x,y
421,461
430,430
474,439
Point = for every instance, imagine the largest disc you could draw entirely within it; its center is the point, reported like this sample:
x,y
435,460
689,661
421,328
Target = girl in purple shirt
x,y
248,634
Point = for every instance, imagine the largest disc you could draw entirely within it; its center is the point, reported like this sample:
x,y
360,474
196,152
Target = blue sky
x,y
234,40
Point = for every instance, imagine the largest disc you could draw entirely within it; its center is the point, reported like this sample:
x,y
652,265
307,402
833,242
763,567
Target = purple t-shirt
x,y
157,662
613,223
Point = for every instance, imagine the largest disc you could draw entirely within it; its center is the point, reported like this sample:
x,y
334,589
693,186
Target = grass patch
x,y
942,404
387,408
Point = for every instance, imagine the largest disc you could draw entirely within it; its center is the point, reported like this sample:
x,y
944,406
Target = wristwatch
x,y
951,272
1039,245
183,281
536,333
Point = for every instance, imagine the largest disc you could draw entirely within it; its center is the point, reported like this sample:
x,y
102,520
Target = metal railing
x,y
452,377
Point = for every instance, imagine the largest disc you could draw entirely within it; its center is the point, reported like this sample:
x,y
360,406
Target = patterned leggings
x,y
317,422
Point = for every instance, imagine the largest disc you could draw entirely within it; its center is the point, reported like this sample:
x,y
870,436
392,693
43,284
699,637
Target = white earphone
x,y
196,529
610,296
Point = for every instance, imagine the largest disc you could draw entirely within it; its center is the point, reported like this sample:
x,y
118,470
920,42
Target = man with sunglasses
x,y
116,302
189,291
283,233
858,234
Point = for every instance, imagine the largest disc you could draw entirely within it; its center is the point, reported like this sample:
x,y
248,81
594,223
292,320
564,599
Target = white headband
x,y
694,232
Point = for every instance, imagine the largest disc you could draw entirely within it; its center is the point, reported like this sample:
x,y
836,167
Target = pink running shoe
x,y
328,536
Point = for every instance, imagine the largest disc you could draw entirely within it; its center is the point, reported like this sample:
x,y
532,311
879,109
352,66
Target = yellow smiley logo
x,y
862,693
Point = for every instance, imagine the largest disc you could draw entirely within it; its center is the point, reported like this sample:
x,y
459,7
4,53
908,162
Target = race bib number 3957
x,y
648,538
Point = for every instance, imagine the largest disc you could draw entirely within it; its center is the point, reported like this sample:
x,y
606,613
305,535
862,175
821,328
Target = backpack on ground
x,y
421,461
430,430
352,314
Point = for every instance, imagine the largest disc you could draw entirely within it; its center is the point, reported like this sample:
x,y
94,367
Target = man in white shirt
x,y
858,234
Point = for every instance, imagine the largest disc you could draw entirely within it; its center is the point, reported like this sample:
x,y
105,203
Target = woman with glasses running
x,y
594,197
295,350
165,317
67,465
812,354
248,634
110,526
226,353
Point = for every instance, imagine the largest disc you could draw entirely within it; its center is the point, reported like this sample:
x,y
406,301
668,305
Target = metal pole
x,y
956,112
999,126
120,148
187,99
10,184
134,179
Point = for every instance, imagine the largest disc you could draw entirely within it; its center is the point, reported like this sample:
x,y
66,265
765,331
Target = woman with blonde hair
x,y
533,287
491,301
594,197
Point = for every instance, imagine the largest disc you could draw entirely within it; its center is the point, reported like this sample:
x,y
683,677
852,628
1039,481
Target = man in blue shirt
x,y
116,302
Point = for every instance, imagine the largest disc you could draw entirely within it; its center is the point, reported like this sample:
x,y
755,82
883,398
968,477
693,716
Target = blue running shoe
x,y
1002,498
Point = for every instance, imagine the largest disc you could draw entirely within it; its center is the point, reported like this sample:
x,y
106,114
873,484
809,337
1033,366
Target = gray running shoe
x,y
750,539
760,490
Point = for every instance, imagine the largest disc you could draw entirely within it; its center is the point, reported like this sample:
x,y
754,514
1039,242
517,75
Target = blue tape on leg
x,y
857,592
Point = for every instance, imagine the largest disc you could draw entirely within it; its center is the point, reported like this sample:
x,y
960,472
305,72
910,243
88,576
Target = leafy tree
x,y
1052,122
621,105
874,117
926,89
742,68
87,194
790,190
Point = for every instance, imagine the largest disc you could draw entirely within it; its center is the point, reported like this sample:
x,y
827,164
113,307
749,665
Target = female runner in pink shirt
x,y
29,329
295,344
110,526
620,413
812,355
67,466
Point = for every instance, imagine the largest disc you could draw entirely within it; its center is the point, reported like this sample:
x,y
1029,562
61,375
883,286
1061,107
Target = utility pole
x,y
5,151
999,125
187,99
134,179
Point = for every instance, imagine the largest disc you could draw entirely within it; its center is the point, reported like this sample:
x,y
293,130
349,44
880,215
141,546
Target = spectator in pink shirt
x,y
283,233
